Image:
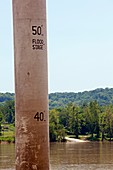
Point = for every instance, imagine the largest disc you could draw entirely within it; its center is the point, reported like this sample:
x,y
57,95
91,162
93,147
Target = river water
x,y
68,156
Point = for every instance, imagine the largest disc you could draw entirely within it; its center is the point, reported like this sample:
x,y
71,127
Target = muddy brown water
x,y
68,156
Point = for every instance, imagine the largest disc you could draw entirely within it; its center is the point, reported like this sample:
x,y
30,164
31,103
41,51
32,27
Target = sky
x,y
80,45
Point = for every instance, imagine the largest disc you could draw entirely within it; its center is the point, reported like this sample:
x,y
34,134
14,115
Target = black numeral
x,y
39,116
36,30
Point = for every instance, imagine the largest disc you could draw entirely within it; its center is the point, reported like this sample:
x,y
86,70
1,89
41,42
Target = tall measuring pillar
x,y
31,84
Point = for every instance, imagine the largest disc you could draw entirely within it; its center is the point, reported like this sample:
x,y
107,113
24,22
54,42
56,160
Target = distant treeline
x,y
6,97
56,100
102,96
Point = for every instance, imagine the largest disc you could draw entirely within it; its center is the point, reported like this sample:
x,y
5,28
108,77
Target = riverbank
x,y
7,140
87,138
7,134
75,140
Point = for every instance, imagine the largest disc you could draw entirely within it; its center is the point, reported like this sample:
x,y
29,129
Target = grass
x,y
8,133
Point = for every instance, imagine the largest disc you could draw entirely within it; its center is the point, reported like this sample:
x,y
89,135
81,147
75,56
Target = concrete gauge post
x,y
31,84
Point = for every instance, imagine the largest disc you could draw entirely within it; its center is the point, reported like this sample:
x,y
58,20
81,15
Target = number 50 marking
x,y
37,30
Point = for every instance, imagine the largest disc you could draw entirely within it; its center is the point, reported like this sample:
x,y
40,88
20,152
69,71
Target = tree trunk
x,y
103,136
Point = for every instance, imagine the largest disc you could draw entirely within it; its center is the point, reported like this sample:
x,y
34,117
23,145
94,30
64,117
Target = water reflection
x,y
7,156
91,155
68,156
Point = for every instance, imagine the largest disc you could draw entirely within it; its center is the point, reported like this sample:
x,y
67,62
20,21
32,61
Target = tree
x,y
103,117
75,120
9,111
93,118
94,108
64,117
53,124
1,118
56,130
109,121
83,120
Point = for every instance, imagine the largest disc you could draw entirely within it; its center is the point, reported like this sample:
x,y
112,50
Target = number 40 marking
x,y
39,116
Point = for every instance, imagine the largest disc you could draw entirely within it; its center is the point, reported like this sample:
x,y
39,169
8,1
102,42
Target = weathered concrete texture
x,y
31,84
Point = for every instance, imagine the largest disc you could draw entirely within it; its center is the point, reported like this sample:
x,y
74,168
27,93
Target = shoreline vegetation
x,y
8,136
89,121
83,116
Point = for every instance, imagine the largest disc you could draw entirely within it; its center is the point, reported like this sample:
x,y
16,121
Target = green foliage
x,y
87,114
7,139
103,124
89,120
102,96
109,121
56,130
6,97
1,118
7,112
94,118
74,120
93,138
7,133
